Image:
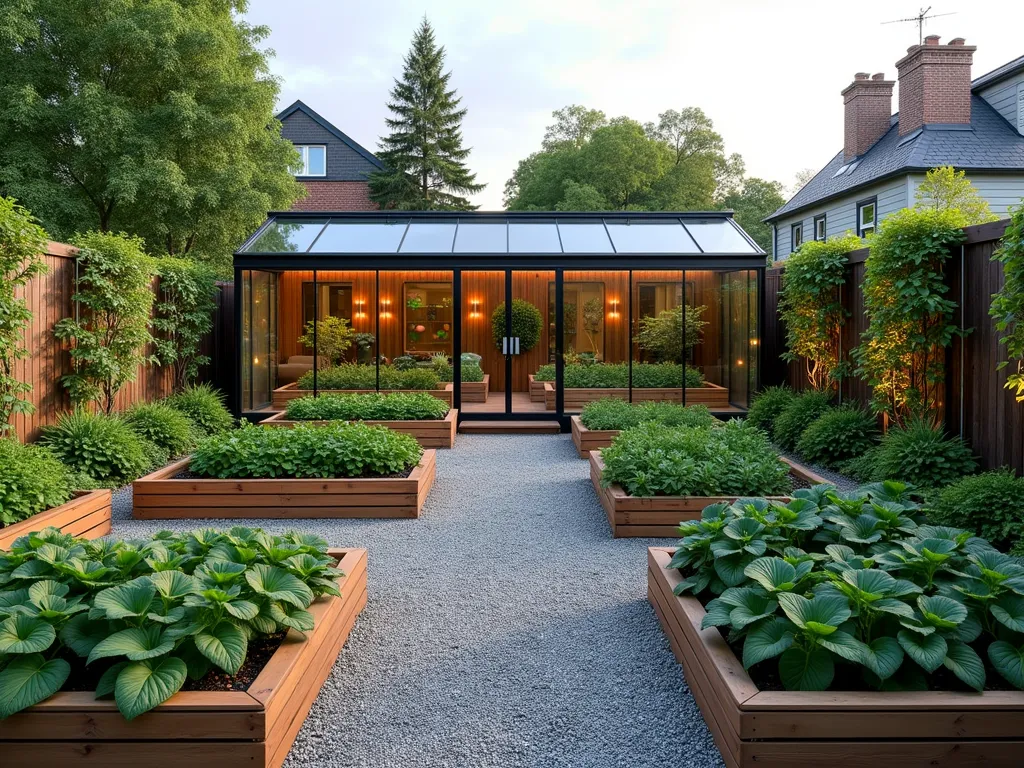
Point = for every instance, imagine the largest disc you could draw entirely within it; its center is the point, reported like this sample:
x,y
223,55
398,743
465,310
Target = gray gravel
x,y
504,628
842,482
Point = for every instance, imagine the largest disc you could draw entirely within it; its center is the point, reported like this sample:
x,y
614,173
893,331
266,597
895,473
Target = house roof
x,y
1009,69
300,106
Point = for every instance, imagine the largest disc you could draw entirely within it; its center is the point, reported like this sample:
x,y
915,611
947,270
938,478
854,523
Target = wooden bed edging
x,y
281,396
476,391
587,440
86,516
430,433
158,496
852,729
711,395
227,729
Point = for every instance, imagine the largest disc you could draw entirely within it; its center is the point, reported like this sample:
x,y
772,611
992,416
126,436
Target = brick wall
x,y
868,109
935,84
335,196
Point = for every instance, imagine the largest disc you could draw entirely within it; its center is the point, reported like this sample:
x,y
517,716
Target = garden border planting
x,y
711,395
225,728
159,496
798,729
288,392
430,433
86,516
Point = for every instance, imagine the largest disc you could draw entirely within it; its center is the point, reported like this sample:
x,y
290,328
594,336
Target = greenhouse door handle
x,y
504,345
515,345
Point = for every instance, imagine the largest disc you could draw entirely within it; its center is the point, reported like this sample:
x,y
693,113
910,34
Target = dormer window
x,y
312,160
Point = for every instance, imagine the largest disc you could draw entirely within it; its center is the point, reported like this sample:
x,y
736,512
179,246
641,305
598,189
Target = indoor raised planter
x,y
711,395
86,516
282,395
160,495
536,389
228,729
430,433
476,391
852,729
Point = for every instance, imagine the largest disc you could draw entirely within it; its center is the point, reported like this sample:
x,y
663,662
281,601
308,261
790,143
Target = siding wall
x,y
343,162
1006,98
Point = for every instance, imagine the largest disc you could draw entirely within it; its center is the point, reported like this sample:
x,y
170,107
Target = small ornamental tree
x,y
184,315
333,338
811,307
109,335
946,189
1008,305
662,335
902,353
21,242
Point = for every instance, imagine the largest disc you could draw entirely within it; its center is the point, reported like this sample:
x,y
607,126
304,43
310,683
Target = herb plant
x,y
168,428
838,435
204,405
396,406
767,405
798,415
355,376
613,413
103,448
32,480
616,375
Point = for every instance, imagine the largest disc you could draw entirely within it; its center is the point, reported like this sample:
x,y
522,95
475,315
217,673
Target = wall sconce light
x,y
360,305
474,305
739,362
614,303
255,361
385,308
753,342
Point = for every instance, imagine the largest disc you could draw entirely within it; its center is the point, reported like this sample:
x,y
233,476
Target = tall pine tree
x,y
424,156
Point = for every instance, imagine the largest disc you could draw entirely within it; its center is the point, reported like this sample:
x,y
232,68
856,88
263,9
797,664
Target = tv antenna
x,y
920,19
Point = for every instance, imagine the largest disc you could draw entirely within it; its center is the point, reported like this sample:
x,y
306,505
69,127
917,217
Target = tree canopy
x,y
945,189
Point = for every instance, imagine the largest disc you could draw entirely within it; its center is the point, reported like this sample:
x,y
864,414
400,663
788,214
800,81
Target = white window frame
x,y
303,168
794,229
820,220
862,227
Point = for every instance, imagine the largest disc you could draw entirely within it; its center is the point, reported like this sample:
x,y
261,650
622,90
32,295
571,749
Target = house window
x,y
312,162
796,236
819,228
866,217
335,300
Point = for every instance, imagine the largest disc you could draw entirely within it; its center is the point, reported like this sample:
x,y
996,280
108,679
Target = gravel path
x,y
505,628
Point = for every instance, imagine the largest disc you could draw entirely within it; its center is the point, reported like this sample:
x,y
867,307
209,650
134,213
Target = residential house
x,y
944,119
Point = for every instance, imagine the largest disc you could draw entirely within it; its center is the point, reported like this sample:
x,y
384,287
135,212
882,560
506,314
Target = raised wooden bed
x,y
430,433
226,729
86,516
476,391
160,497
711,395
587,440
282,395
851,729
536,389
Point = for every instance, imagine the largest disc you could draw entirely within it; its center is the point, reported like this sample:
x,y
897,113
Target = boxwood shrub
x,y
616,375
148,616
919,453
167,427
356,376
205,406
103,448
397,406
471,372
767,405
838,435
613,413
990,504
855,591
798,415
655,460
32,480
342,449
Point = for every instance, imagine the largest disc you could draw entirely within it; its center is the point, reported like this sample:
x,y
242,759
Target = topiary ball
x,y
526,324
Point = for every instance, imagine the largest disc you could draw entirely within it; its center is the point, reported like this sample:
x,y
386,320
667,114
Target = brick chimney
x,y
935,84
868,105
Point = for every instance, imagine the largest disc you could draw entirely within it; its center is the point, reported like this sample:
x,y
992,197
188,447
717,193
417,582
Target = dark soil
x,y
798,482
190,475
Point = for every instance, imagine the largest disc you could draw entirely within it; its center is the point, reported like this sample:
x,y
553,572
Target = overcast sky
x,y
768,74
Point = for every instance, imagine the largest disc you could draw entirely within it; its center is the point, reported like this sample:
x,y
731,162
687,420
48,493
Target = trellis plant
x,y
184,314
1008,304
150,614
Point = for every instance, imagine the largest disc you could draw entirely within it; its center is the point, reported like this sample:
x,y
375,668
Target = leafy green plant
x,y
168,428
397,406
812,310
471,371
990,505
654,460
32,480
838,435
184,315
110,331
526,324
662,335
101,447
1008,304
616,375
333,337
945,188
405,362
593,316
768,404
798,415
613,413
151,614
336,450
21,243
204,405
854,582
354,376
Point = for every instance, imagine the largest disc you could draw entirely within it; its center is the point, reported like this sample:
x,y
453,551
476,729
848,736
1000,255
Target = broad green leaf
x,y
27,680
278,584
136,644
730,569
289,616
1009,611
41,589
893,606
821,615
81,634
196,664
963,662
173,584
25,634
107,681
767,640
845,645
1008,661
941,612
126,600
927,650
883,656
143,685
242,609
750,605
772,573
174,615
718,614
225,645
803,671
872,581
220,571
969,629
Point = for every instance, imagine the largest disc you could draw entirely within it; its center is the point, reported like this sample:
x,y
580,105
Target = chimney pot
x,y
935,84
931,40
861,76
956,41
878,76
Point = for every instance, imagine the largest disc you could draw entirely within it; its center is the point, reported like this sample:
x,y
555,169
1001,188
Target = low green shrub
x,y
397,406
768,404
613,413
205,406
101,447
854,588
471,372
147,616
838,435
798,415
32,480
168,428
616,375
655,460
918,454
337,450
356,376
990,504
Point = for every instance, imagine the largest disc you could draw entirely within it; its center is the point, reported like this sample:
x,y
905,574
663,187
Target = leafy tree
x,y
184,315
21,242
945,189
109,336
424,156
573,127
752,202
333,338
801,179
1008,305
149,117
662,335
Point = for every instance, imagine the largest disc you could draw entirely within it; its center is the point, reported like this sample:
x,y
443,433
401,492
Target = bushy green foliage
x,y
655,460
103,448
166,427
768,404
1008,304
341,449
798,415
662,335
990,504
32,480
917,453
149,613
471,370
946,188
616,375
355,376
184,315
854,581
330,337
838,435
204,405
397,406
613,413
526,324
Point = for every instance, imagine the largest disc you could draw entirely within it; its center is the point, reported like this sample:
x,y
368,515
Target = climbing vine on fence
x,y
184,314
1008,305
